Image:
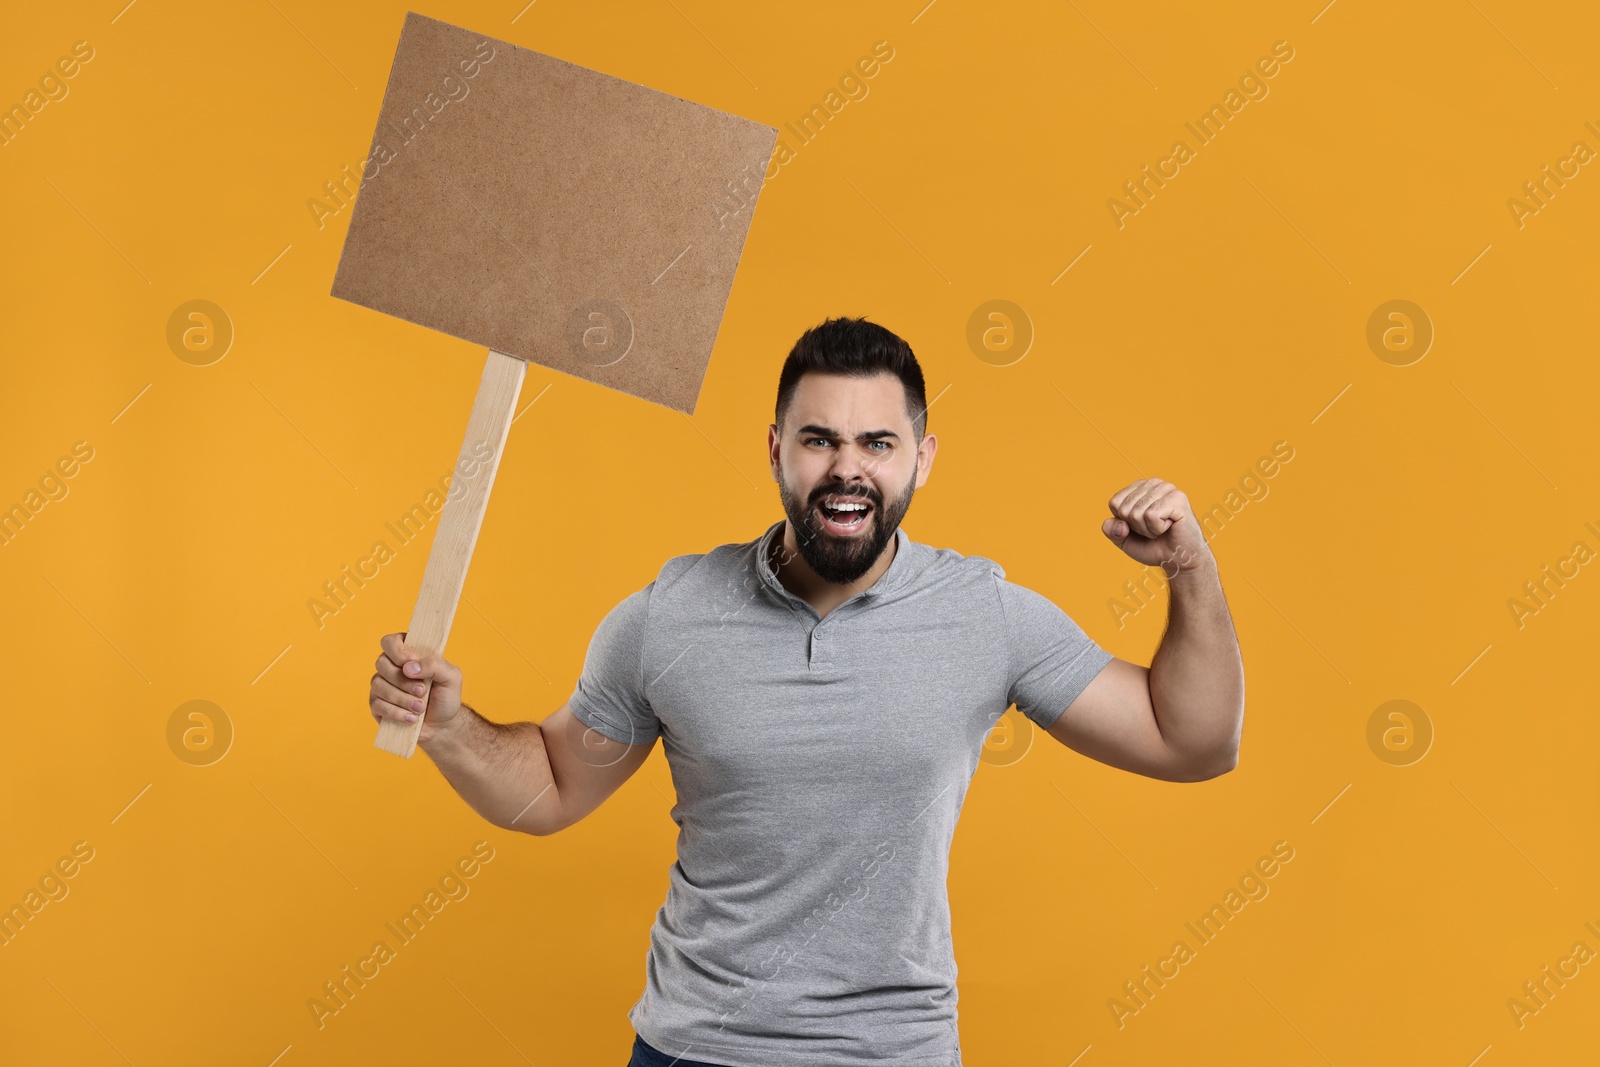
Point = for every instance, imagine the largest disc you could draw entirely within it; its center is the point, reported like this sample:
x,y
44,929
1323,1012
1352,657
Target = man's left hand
x,y
1151,521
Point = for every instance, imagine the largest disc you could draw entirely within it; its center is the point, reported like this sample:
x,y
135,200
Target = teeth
x,y
848,507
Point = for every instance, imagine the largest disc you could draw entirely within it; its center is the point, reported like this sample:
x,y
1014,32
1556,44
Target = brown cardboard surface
x,y
551,212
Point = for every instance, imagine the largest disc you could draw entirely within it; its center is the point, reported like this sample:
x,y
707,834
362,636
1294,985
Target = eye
x,y
811,439
885,444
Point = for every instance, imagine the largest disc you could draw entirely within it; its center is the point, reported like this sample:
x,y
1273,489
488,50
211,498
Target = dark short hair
x,y
858,349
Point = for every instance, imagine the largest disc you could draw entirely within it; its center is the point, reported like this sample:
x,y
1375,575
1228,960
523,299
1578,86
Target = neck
x,y
798,577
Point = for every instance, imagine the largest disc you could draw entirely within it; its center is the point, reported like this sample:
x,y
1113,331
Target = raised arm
x,y
1181,718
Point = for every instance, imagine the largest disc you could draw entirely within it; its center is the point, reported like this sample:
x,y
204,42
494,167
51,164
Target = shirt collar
x,y
899,567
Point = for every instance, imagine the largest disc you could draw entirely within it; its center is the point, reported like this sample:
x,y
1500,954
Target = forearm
x,y
500,769
1197,675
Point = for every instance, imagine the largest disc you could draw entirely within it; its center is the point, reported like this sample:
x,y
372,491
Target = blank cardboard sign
x,y
555,215
551,212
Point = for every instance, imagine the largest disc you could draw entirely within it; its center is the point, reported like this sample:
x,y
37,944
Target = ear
x,y
925,454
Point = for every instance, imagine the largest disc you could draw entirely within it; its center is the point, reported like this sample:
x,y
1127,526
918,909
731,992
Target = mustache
x,y
846,490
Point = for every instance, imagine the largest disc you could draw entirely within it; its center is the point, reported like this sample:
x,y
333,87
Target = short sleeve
x,y
1050,659
610,693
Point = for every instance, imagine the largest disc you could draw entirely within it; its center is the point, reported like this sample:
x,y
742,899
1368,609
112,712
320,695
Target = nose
x,y
850,465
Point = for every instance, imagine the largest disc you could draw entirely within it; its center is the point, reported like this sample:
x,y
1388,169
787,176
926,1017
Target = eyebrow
x,y
811,429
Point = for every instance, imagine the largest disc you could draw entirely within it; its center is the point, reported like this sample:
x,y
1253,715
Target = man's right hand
x,y
517,788
402,675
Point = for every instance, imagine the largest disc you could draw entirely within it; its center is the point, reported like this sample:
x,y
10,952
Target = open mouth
x,y
843,516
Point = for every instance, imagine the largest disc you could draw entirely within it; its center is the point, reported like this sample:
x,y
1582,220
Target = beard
x,y
843,559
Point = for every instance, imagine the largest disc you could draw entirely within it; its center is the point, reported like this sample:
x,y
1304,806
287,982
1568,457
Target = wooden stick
x,y
457,533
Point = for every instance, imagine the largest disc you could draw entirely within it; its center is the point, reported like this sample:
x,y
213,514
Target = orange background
x,y
1228,314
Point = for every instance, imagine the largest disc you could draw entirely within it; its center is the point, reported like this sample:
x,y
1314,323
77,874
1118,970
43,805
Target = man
x,y
823,694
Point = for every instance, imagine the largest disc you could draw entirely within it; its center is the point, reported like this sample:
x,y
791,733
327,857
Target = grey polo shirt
x,y
820,766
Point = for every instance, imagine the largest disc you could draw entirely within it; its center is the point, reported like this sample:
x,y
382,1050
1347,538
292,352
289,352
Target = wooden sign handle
x,y
453,541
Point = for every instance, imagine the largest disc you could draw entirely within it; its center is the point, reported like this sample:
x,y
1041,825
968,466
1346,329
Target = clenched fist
x,y
1151,521
405,679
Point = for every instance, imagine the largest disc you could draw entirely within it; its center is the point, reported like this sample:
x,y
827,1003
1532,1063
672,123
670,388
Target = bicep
x,y
1113,722
586,765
